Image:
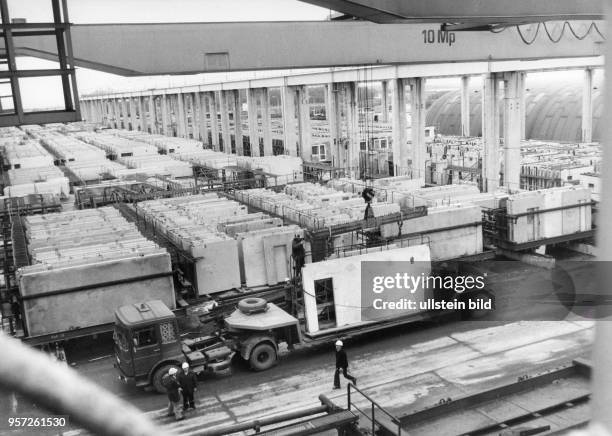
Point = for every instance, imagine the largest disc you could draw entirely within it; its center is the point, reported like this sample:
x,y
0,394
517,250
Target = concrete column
x,y
353,128
195,119
290,124
181,116
305,148
465,106
152,113
419,147
512,132
587,106
125,120
237,105
214,125
252,114
201,99
265,121
332,111
601,357
133,116
225,122
104,111
384,101
490,132
522,102
164,115
141,122
398,122
116,113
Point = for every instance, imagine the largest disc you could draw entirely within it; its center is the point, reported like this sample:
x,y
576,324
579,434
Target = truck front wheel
x,y
159,374
263,357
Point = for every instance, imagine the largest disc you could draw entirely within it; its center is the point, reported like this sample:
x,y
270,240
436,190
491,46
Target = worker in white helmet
x,y
189,384
173,389
341,365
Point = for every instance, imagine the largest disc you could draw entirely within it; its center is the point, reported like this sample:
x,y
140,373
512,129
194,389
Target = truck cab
x,y
148,343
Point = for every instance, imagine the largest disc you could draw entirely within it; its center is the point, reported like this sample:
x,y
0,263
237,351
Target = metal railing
x,y
373,406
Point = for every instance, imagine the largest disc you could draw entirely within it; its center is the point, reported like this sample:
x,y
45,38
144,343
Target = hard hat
x,y
185,365
339,343
172,371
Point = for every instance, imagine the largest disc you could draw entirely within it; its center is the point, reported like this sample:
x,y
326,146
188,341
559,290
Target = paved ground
x,y
404,369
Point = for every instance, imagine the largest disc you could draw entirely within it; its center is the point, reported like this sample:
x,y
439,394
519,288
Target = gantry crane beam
x,y
187,48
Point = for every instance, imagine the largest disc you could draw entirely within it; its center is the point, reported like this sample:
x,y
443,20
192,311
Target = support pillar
x,y
465,106
265,122
353,128
305,148
116,113
237,105
384,102
398,102
290,124
181,118
419,147
214,124
252,113
587,106
204,129
164,115
226,134
124,114
333,117
133,116
142,114
490,132
512,132
522,102
195,119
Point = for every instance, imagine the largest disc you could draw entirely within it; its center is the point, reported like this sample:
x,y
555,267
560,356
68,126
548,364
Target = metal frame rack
x,y
12,110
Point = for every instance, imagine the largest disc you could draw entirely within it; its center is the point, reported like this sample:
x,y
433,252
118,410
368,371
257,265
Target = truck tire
x,y
263,357
159,373
252,305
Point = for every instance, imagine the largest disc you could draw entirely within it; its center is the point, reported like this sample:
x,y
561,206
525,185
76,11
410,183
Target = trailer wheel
x,y
159,374
252,305
263,357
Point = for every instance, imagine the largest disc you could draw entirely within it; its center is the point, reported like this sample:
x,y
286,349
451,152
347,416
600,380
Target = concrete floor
x,y
404,369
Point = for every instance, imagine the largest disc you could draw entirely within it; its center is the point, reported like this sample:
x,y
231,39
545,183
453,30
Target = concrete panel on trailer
x,y
345,274
217,266
62,312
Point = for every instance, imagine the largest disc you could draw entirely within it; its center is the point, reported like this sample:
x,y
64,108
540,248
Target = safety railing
x,y
371,414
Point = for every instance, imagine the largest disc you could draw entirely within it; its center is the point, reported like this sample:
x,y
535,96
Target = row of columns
x,y
209,113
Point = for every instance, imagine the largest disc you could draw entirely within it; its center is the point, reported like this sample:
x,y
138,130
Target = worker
x,y
299,254
173,389
342,365
188,382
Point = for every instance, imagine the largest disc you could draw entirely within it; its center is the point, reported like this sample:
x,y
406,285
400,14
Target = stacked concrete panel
x,y
157,165
69,149
85,264
164,144
230,246
115,146
558,217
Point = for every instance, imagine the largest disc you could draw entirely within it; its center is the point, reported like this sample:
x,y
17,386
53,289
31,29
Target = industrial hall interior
x,y
305,217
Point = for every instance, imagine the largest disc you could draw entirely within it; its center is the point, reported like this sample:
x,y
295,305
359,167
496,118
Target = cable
x,y
566,24
518,28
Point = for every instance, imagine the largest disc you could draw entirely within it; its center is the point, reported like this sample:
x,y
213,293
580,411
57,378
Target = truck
x,y
148,341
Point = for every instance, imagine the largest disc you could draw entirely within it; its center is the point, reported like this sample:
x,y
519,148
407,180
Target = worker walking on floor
x,y
188,382
173,389
342,365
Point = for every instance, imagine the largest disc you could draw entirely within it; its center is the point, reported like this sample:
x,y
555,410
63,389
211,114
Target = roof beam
x,y
466,11
188,48
376,74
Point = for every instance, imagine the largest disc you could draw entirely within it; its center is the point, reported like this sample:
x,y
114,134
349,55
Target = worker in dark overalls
x,y
298,252
342,365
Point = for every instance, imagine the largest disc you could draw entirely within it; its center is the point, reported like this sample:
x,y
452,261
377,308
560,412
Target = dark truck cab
x,y
148,343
